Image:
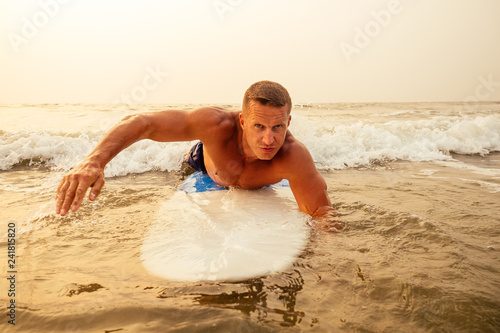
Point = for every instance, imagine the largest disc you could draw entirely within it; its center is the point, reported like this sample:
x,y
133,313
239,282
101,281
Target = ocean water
x,y
418,184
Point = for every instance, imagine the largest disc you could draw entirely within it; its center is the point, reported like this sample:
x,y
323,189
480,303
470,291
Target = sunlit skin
x,y
248,149
264,131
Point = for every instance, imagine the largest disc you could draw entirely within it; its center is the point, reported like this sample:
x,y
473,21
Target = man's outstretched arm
x,y
310,191
312,198
165,126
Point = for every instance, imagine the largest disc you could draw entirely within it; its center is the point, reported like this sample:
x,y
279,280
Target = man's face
x,y
265,129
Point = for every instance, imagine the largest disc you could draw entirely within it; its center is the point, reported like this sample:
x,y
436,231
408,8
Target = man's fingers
x,y
70,194
332,226
96,188
73,186
83,185
68,197
338,227
61,194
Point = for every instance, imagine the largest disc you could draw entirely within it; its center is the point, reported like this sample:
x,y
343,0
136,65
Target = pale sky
x,y
210,51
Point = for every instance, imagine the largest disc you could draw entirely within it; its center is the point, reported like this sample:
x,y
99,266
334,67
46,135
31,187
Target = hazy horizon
x,y
233,104
210,51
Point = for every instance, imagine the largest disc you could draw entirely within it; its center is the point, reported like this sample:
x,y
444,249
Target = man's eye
x,y
258,125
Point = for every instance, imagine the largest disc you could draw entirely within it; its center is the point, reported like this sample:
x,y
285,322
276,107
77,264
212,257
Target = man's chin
x,y
266,156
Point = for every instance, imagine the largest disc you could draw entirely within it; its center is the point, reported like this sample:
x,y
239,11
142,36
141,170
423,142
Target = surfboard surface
x,y
210,233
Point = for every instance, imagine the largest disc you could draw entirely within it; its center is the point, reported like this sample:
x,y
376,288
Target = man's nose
x,y
268,137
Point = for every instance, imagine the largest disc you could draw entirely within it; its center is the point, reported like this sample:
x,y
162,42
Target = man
x,y
249,150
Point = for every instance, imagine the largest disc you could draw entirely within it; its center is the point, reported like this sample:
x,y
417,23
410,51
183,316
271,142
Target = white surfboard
x,y
211,233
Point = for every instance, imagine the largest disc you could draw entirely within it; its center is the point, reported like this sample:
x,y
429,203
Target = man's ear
x,y
289,119
242,120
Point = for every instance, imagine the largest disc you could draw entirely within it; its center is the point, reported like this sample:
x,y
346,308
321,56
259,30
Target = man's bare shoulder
x,y
212,115
217,123
293,148
294,157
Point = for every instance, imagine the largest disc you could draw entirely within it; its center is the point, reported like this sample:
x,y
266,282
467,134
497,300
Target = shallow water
x,y
421,253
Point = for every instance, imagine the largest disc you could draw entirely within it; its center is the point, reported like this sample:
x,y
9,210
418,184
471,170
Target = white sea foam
x,y
332,147
493,187
63,152
361,144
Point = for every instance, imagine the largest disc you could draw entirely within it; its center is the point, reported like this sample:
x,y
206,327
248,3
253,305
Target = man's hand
x,y
326,219
75,184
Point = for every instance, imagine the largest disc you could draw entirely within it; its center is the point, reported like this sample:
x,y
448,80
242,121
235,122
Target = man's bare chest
x,y
234,170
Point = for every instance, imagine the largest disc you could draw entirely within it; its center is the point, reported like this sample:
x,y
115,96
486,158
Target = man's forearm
x,y
128,131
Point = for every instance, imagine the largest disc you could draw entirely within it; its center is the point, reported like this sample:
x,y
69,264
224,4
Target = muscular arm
x,y
164,126
310,190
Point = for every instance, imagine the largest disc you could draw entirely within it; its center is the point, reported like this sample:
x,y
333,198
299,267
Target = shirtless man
x,y
248,150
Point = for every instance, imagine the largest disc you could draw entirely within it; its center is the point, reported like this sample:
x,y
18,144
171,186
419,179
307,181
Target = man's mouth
x,y
267,149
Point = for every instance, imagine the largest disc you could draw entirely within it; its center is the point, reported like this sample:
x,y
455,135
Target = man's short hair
x,y
267,93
